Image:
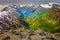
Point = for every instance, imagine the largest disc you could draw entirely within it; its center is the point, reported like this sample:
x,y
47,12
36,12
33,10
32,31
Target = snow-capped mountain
x,y
47,5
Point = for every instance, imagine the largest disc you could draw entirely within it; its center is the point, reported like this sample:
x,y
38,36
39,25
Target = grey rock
x,y
42,33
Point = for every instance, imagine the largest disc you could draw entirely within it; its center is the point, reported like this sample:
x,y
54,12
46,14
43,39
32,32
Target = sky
x,y
27,1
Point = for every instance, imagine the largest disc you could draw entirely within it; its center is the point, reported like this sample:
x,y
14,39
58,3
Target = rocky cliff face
x,y
8,19
56,8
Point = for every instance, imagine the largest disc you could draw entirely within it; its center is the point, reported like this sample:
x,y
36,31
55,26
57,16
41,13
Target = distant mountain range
x,y
27,1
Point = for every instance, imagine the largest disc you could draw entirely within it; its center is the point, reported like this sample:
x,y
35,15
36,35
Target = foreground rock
x,y
25,34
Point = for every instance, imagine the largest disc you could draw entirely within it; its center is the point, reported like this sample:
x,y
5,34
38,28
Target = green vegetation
x,y
44,20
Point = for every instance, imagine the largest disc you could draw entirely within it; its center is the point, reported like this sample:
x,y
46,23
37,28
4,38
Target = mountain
x,y
27,1
9,19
